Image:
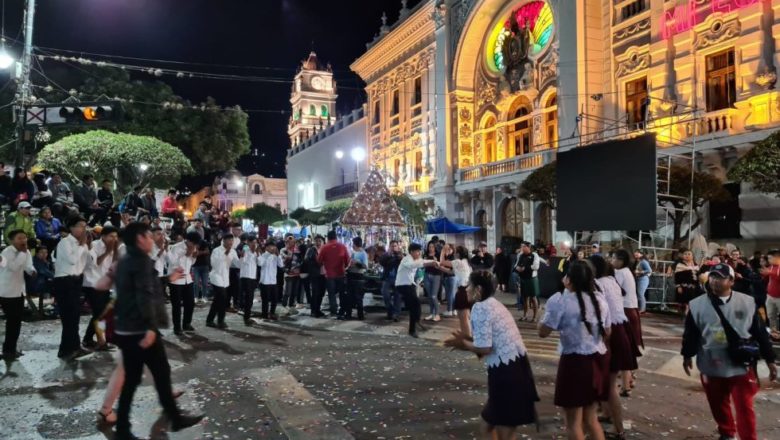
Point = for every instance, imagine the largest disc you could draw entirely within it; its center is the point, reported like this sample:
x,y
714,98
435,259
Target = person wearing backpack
x,y
724,333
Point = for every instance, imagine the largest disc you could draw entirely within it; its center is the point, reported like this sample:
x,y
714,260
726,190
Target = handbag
x,y
742,351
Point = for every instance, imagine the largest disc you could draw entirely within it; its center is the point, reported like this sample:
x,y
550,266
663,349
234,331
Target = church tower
x,y
313,100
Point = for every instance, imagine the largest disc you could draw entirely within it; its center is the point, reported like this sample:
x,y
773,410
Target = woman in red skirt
x,y
496,339
622,352
622,262
583,320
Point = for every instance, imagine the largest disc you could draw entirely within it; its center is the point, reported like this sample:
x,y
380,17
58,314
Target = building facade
x,y
233,191
467,97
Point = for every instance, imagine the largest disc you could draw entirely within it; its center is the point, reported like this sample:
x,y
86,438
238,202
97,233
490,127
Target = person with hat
x,y
21,220
771,274
720,328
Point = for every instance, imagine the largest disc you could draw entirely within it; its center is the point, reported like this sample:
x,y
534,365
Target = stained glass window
x,y
537,15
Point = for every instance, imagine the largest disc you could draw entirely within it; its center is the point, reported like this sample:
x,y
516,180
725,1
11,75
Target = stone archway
x,y
543,227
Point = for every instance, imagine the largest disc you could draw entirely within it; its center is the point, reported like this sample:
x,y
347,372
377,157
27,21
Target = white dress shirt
x,y
159,260
92,271
268,263
71,257
407,270
220,266
236,264
177,258
625,280
249,263
12,270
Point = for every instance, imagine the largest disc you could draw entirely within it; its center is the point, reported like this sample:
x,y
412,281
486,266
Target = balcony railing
x,y
516,164
716,121
412,188
341,191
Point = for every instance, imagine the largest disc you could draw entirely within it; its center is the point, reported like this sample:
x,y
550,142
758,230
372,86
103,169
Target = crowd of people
x,y
148,257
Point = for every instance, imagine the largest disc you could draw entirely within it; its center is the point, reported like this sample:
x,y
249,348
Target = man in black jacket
x,y
140,313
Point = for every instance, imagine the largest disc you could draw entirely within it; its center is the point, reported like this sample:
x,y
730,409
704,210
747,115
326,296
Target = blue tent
x,y
443,225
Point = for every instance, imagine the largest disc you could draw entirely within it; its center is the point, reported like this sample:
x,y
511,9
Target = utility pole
x,y
24,94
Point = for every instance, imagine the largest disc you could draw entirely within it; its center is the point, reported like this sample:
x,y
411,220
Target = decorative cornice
x,y
634,63
418,30
407,70
631,30
718,32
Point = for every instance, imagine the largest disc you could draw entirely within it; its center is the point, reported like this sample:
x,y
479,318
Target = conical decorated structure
x,y
373,205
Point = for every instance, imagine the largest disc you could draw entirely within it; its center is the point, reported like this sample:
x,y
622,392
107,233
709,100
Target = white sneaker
x,y
436,318
447,314
454,313
429,318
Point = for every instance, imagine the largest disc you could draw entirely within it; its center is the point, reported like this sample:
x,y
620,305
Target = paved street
x,y
301,378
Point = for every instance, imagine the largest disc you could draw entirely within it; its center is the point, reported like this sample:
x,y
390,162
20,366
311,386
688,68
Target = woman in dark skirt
x,y
501,268
496,339
622,352
583,320
686,282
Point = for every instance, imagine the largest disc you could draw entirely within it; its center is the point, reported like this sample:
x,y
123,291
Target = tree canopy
x,y
540,185
761,166
128,159
263,214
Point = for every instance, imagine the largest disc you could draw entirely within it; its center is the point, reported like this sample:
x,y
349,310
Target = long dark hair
x,y
624,257
484,280
601,267
581,277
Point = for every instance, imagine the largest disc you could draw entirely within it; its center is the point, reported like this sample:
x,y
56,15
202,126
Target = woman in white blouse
x,y
622,262
583,320
461,271
622,351
496,339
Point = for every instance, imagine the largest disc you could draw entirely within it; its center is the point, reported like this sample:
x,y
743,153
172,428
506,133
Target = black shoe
x,y
222,326
178,332
185,421
395,319
414,335
80,353
188,328
89,344
10,356
248,322
211,324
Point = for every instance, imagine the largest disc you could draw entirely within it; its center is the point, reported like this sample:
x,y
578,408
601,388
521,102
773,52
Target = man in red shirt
x,y
169,206
334,258
772,275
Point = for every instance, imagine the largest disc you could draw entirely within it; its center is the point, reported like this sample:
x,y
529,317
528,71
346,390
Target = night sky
x,y
269,37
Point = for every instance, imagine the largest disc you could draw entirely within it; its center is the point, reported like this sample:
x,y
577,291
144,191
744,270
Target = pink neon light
x,y
682,18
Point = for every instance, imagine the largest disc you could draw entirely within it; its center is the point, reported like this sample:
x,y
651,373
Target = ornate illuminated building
x,y
468,97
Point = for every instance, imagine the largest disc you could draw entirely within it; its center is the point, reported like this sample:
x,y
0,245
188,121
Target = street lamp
x,y
339,154
358,154
6,60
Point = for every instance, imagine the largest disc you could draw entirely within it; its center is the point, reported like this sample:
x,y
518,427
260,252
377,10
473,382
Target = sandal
x,y
106,419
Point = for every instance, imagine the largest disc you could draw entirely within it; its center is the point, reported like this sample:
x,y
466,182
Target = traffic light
x,y
74,113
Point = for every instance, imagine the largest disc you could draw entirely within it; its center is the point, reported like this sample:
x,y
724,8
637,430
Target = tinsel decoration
x,y
373,205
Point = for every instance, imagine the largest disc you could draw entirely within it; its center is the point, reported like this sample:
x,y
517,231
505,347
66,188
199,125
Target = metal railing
x,y
341,191
515,164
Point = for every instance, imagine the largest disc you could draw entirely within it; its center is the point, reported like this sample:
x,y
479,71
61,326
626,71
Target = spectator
x,y
42,196
502,269
334,257
41,284
47,228
21,220
5,185
149,203
482,260
105,195
22,188
170,208
58,188
772,275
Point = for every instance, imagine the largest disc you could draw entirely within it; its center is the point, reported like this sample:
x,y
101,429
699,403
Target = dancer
x,y
181,258
15,260
407,288
625,279
248,276
583,320
511,389
222,258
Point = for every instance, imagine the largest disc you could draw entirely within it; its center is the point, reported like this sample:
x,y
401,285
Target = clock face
x,y
317,83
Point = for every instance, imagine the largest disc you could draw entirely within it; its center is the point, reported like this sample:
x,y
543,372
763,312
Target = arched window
x,y
256,189
551,121
520,134
324,111
512,218
490,141
312,110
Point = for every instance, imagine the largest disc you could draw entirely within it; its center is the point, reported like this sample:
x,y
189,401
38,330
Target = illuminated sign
x,y
683,17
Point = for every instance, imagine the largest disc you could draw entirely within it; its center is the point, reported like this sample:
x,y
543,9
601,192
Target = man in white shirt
x,y
248,275
269,263
404,284
222,258
101,256
234,289
181,257
159,253
15,260
72,254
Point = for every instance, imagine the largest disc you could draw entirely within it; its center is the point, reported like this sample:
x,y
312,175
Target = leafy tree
x,y
540,185
761,166
410,209
332,211
238,213
128,159
263,214
706,188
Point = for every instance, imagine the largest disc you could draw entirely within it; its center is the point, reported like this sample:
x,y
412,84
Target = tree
x,y
332,211
410,209
761,166
263,214
127,159
706,188
540,185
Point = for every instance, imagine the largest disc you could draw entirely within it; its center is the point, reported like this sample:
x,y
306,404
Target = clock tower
x,y
313,100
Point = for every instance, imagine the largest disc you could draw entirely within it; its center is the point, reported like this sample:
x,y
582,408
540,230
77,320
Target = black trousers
x,y
97,300
409,294
234,289
248,286
337,288
306,289
218,305
13,308
269,294
317,293
67,293
182,295
134,358
355,292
